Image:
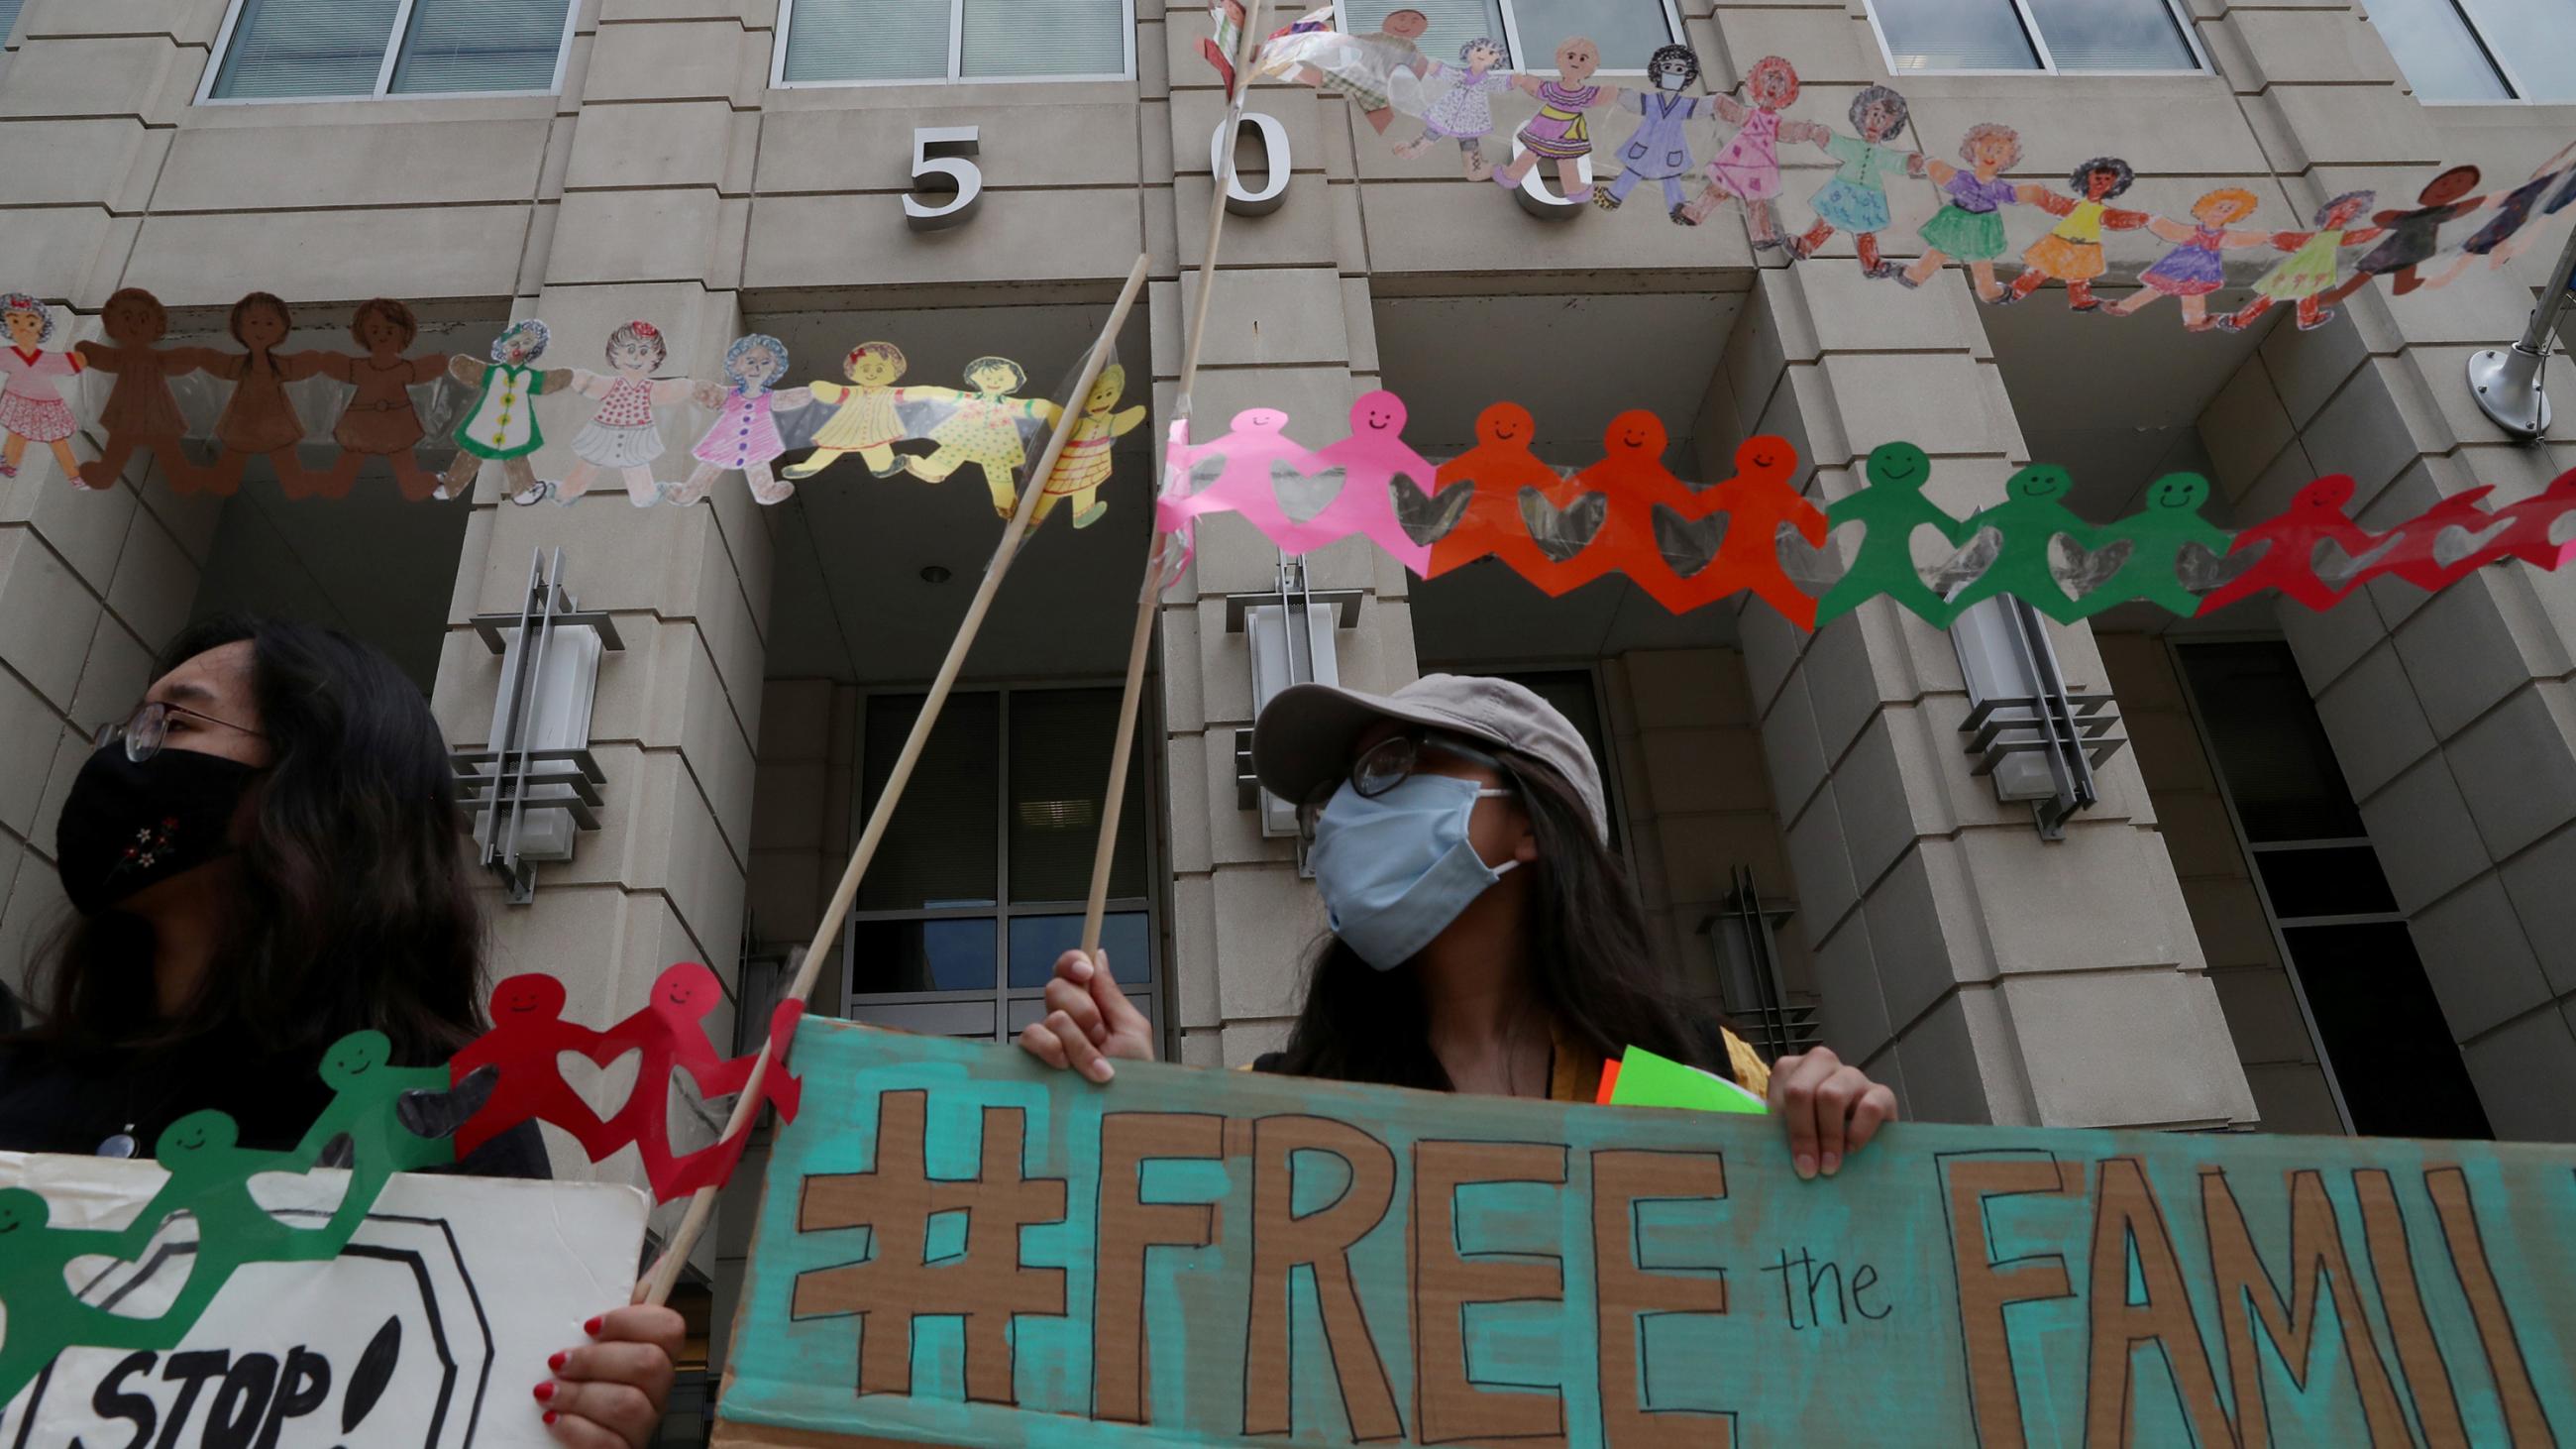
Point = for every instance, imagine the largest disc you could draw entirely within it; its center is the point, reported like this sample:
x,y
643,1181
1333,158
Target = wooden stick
x,y
1149,604
693,1225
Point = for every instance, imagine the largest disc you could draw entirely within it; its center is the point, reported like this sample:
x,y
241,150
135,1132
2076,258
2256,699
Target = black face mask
x,y
126,826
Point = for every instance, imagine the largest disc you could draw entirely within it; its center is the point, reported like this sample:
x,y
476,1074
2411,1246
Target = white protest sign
x,y
427,1330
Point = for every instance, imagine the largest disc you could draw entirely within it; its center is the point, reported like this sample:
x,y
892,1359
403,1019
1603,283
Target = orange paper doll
x,y
380,420
1631,474
140,411
1499,468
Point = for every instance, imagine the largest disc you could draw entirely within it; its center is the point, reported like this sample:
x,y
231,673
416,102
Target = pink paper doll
x,y
140,411
1970,224
2195,268
1560,132
745,436
380,420
32,409
2072,252
1251,451
1747,167
2308,276
624,436
1856,198
260,420
1464,113
1371,458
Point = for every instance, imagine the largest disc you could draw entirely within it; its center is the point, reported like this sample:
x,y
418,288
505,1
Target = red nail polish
x,y
556,1359
550,1416
592,1327
545,1391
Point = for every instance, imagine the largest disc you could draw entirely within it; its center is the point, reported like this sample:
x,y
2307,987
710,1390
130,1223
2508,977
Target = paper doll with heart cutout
x,y
713,1165
1631,475
141,414
526,1042
2289,542
2156,535
1256,445
1756,502
2031,516
2531,522
1497,470
2415,551
1371,457
44,1315
366,1110
1889,510
671,1035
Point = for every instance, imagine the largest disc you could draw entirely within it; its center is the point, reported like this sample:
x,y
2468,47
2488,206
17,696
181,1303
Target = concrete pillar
x,y
1290,329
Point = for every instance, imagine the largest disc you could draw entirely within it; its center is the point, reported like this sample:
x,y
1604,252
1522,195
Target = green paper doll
x,y
45,1315
2156,535
1889,510
210,1180
367,1107
2031,514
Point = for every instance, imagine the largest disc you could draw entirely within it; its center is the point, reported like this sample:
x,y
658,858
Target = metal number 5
x,y
939,165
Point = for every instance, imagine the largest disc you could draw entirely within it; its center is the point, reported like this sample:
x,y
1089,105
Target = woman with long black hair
x,y
1485,937
263,857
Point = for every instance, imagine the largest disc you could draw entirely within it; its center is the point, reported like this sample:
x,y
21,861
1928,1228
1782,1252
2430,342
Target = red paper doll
x,y
1631,474
2413,552
2530,523
1756,501
528,1033
1498,468
2289,540
713,1165
671,1033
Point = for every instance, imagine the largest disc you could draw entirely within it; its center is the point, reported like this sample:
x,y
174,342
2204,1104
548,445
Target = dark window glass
x,y
943,845
1037,940
2263,729
2380,1024
2338,881
1060,740
936,955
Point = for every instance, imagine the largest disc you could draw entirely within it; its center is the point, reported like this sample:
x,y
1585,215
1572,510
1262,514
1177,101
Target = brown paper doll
x,y
502,425
380,420
140,413
260,420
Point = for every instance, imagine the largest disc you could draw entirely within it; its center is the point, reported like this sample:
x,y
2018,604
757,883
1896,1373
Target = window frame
x,y
384,71
778,80
2487,50
1157,985
2048,59
1674,31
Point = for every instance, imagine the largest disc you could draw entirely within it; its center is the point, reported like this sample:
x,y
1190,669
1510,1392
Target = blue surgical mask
x,y
1396,869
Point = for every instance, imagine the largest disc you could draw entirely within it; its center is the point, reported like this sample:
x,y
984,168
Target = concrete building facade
x,y
2170,962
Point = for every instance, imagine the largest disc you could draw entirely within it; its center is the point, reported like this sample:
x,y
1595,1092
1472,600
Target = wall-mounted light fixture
x,y
1745,935
537,786
2037,739
1290,631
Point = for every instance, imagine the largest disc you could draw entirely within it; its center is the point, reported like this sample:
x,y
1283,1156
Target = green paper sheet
x,y
1647,1080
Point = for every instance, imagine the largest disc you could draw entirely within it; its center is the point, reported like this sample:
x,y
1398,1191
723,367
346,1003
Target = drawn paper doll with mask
x,y
501,427
1659,149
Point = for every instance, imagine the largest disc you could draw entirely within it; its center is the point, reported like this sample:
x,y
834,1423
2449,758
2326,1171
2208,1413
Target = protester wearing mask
x,y
1485,938
264,856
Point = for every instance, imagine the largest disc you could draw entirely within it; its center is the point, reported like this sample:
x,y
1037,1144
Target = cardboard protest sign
x,y
959,1247
426,1329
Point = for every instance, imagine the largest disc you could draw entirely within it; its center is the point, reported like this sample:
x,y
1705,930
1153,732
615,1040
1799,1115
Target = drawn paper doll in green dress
x,y
1889,510
985,429
2156,536
2314,266
1856,198
501,427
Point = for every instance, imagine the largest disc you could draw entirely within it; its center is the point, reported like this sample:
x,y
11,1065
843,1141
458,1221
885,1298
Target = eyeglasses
x,y
1389,763
148,728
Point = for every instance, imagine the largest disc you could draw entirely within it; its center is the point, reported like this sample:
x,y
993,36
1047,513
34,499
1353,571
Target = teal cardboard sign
x,y
957,1246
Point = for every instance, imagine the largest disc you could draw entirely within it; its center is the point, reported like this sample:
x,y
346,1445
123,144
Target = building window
x,y
880,42
2377,1024
1626,30
2481,50
979,883
2072,37
277,50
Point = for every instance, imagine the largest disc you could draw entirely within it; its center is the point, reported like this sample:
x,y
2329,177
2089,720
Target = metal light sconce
x,y
537,787
1290,630
2037,739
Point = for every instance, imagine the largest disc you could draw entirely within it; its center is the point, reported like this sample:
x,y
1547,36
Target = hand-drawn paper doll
x,y
2308,275
380,420
260,420
1889,510
1632,476
1374,60
1970,224
1464,113
1251,451
2195,268
1560,132
625,435
1659,149
2156,535
866,421
502,425
2072,253
1747,167
32,409
1756,502
1856,199
744,438
140,411
2508,232
985,429
2032,514
1497,469
1084,464
1370,458
2289,542
528,1036
2413,236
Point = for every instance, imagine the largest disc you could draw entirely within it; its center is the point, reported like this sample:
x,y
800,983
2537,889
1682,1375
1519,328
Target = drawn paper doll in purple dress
x,y
32,409
1747,168
745,436
1659,149
1463,113
2314,265
625,435
2195,268
1561,132
1856,198
1970,224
